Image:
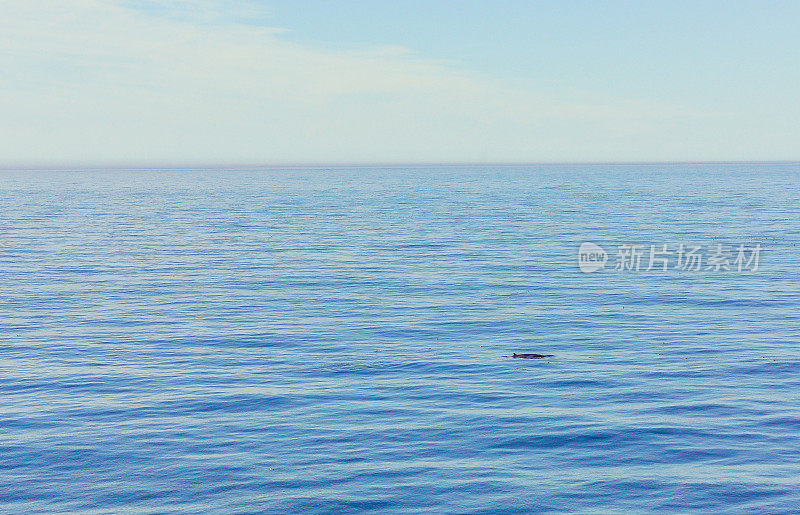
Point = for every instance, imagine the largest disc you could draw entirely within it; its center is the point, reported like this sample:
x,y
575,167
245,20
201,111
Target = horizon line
x,y
361,164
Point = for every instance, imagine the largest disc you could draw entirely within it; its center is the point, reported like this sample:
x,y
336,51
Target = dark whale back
x,y
532,356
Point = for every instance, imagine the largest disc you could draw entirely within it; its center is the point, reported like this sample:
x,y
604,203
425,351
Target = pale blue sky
x,y
214,81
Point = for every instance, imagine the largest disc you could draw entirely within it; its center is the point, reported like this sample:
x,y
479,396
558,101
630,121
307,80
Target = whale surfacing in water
x,y
532,356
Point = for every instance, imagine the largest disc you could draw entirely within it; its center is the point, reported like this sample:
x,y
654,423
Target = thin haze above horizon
x,y
261,81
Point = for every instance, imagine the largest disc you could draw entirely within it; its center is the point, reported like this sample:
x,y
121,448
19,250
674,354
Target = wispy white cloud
x,y
100,80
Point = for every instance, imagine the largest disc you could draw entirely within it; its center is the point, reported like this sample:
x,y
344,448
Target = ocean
x,y
340,339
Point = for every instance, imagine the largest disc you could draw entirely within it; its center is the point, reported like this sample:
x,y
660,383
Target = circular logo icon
x,y
591,257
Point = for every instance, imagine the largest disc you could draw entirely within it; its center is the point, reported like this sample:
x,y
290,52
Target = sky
x,y
258,82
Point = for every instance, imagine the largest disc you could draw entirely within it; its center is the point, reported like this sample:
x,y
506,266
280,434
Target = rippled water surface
x,y
336,340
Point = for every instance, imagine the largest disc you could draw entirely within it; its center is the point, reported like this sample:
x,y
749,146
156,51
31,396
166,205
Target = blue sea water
x,y
337,340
